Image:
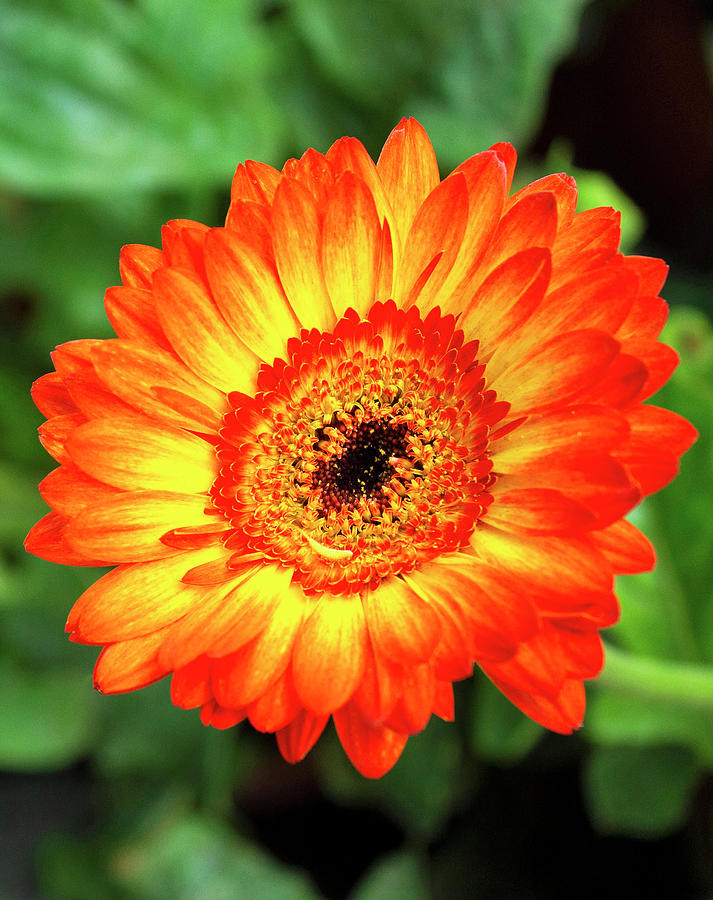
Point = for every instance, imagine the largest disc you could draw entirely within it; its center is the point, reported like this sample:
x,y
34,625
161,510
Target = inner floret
x,y
362,466
363,454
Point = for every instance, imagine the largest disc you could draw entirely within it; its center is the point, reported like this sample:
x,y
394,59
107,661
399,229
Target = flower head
x,y
377,429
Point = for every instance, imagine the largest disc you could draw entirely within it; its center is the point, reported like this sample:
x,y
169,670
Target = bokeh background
x,y
116,116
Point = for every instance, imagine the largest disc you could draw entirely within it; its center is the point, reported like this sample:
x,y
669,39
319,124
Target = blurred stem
x,y
684,683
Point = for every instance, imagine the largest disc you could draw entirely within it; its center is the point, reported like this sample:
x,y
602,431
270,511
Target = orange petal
x,y
562,714
231,614
602,299
199,333
156,383
409,172
136,599
596,480
128,528
349,155
495,613
556,373
55,432
250,222
68,490
314,171
538,511
380,686
137,263
372,748
351,245
242,677
530,222
657,440
137,456
190,685
277,707
436,231
132,313
402,625
564,575
508,156
573,430
297,244
129,665
219,717
51,397
297,739
248,291
564,190
413,709
645,319
329,654
507,298
254,181
626,549
486,181
48,540
183,241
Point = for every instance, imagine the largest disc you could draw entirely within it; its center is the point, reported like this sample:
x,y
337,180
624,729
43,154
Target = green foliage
x,y
421,791
398,875
499,730
188,856
639,790
47,722
131,96
174,853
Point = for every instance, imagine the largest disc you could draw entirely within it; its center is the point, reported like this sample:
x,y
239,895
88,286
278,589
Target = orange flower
x,y
378,428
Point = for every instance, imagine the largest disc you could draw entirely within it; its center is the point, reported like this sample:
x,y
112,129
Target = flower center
x,y
362,468
361,455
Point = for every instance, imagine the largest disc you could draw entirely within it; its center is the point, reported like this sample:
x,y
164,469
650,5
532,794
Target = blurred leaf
x,y
47,717
618,718
643,791
492,72
133,734
375,52
22,504
681,519
18,437
191,857
422,788
111,97
500,731
67,865
38,595
394,876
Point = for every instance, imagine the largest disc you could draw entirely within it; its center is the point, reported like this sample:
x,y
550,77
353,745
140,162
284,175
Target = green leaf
x,y
642,791
500,731
422,788
47,717
490,79
393,876
187,857
113,97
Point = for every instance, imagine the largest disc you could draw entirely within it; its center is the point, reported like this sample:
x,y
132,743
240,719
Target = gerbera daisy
x,y
376,429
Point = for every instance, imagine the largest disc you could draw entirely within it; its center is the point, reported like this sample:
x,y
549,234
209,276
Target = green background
x,y
117,116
